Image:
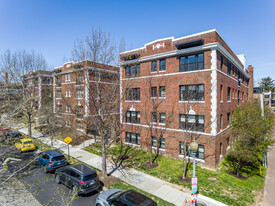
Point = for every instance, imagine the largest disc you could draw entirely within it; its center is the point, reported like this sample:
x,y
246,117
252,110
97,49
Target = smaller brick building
x,y
38,85
76,86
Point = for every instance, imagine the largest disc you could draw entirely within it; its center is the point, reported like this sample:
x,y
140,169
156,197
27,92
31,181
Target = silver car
x,y
117,197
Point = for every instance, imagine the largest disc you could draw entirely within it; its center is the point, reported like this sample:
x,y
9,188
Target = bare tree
x,y
104,93
22,62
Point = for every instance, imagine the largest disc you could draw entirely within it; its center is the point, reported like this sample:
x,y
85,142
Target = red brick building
x,y
75,89
177,90
39,86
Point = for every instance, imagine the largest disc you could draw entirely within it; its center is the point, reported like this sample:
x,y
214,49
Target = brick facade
x,y
75,86
163,74
39,85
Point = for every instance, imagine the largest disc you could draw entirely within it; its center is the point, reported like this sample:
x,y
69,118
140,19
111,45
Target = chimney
x,y
250,70
6,78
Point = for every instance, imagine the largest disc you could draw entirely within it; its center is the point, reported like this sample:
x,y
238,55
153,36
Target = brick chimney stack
x,y
250,70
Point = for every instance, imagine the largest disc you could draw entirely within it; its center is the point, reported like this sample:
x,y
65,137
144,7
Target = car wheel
x,y
57,179
98,204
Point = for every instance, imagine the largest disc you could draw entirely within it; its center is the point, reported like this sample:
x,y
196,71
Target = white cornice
x,y
173,39
189,50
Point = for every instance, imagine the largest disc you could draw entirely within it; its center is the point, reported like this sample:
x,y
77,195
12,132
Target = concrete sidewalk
x,y
269,188
162,189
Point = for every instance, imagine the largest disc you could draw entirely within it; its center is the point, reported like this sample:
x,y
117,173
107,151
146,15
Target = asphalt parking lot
x,y
42,185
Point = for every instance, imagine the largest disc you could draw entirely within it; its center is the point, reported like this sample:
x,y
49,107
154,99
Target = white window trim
x,y
180,101
131,144
132,101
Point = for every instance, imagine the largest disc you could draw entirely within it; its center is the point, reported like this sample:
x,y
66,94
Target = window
x,y
68,93
97,76
228,93
154,66
266,96
220,149
36,93
182,148
133,117
79,93
132,71
200,153
228,144
162,65
154,141
79,79
228,118
229,68
58,94
162,118
221,122
133,138
59,108
133,94
221,62
162,91
68,109
68,123
191,122
67,77
191,63
79,125
192,92
162,143
79,112
154,117
221,94
153,91
58,81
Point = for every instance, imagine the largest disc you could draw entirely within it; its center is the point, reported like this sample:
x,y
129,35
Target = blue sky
x,y
51,26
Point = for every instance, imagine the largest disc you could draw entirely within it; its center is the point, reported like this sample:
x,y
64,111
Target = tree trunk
x,y
121,146
238,167
103,151
184,168
29,126
51,142
151,155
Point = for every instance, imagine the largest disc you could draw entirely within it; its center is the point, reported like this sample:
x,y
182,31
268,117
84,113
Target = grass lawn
x,y
226,188
124,186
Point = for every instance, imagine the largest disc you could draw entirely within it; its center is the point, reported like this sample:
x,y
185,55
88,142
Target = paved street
x,y
42,185
269,189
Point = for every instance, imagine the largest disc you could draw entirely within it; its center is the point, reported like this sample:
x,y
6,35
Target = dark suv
x,y
117,197
80,178
12,136
51,160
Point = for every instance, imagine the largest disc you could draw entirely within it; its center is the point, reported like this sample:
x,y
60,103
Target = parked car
x,y
12,136
4,130
117,197
51,160
25,145
80,178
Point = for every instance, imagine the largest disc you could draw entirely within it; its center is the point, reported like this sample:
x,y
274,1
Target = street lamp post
x,y
194,148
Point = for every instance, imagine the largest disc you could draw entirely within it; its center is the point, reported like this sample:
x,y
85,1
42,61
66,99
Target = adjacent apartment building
x,y
38,85
76,92
178,90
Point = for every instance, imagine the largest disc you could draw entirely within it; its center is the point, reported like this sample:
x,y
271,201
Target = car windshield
x,y
28,142
139,199
89,177
58,158
115,195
